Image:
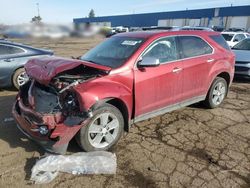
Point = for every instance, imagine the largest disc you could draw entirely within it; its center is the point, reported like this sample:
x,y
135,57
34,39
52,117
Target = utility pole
x,y
38,10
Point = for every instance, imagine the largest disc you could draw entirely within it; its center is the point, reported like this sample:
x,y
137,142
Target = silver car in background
x,y
13,57
242,52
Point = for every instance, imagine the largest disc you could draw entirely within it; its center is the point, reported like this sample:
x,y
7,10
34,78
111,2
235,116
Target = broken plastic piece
x,y
9,119
98,162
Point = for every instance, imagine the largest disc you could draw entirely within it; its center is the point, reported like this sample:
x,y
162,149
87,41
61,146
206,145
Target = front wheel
x,y
217,93
19,78
103,130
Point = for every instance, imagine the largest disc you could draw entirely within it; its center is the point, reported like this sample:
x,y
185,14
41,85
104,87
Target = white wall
x,y
162,23
239,21
194,22
177,22
227,22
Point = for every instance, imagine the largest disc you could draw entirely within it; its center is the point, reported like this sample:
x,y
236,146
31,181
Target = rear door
x,y
158,87
197,57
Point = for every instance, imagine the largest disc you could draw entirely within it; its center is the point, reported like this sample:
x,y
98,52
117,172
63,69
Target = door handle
x,y
177,70
210,60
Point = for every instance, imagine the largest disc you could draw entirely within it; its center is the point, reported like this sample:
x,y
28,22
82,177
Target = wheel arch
x,y
226,76
122,107
223,74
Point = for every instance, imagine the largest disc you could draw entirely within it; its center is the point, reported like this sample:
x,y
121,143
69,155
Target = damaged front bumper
x,y
51,131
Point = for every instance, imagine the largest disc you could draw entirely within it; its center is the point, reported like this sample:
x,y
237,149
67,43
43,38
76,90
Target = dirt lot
x,y
191,147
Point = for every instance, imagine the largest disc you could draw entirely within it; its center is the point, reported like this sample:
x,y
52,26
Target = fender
x,y
96,91
222,66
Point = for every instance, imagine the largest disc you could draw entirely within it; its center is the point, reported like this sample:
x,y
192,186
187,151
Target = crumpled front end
x,y
47,108
47,116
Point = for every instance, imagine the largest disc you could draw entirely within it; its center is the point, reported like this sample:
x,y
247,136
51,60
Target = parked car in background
x,y
126,79
115,30
121,29
235,29
187,28
242,52
233,38
166,28
218,28
13,57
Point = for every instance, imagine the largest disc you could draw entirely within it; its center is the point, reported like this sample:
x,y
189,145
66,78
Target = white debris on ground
x,y
9,119
98,162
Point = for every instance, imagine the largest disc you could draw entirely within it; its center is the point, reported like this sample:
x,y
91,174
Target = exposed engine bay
x,y
59,96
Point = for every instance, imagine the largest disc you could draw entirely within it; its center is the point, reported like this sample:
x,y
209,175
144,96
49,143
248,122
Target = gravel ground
x,y
191,147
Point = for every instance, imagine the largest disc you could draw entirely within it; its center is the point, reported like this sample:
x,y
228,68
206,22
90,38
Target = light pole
x,y
38,10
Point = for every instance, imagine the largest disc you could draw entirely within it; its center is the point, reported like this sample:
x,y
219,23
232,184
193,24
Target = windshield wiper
x,y
89,61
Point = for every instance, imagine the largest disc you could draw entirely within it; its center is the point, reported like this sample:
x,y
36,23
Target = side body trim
x,y
168,108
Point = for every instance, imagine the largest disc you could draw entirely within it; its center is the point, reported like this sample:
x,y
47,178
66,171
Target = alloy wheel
x,y
219,93
22,78
103,130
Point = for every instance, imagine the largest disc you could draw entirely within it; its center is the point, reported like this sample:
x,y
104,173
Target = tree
x,y
91,13
36,19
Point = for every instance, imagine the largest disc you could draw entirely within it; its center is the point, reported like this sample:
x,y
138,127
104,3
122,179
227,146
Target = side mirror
x,y
149,62
73,57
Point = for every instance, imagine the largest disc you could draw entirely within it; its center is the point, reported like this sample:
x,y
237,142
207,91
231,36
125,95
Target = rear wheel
x,y
19,78
103,131
216,93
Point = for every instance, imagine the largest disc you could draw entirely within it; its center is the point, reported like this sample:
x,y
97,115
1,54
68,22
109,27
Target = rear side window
x,y
10,50
194,46
221,41
227,37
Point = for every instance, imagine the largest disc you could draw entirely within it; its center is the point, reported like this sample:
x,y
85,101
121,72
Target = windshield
x,y
243,45
113,52
228,37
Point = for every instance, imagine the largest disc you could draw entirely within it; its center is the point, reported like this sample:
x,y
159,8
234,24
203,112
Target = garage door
x,y
194,22
218,21
178,22
239,22
162,23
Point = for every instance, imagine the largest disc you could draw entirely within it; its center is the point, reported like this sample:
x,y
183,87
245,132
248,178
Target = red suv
x,y
127,78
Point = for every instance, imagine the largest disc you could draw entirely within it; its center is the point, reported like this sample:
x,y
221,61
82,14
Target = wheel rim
x,y
103,130
219,93
22,78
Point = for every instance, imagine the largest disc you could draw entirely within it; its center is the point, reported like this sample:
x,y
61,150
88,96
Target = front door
x,y
158,87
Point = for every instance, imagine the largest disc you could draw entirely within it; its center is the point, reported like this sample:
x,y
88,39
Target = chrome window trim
x,y
181,59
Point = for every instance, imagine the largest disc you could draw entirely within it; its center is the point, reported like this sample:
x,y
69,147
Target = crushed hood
x,y
44,69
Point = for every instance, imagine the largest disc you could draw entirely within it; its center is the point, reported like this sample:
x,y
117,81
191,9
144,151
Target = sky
x,y
63,11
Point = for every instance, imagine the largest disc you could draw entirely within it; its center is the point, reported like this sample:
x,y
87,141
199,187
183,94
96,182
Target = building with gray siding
x,y
227,17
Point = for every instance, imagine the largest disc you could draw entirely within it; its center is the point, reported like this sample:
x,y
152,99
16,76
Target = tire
x,y
96,135
19,78
218,90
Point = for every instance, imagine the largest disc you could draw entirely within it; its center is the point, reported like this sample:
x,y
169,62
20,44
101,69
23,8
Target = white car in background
x,y
233,38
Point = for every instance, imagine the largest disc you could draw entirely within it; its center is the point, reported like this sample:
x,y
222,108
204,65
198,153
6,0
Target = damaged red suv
x,y
127,78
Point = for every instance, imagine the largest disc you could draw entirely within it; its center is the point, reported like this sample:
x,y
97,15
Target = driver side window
x,y
164,50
